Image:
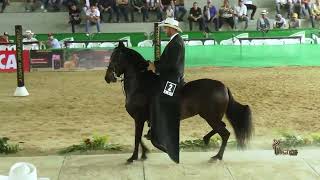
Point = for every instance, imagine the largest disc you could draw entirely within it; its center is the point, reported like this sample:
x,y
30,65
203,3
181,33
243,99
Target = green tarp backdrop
x,y
247,56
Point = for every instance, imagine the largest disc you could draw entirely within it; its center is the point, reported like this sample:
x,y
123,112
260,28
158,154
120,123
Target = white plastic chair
x,y
145,43
61,42
108,44
128,43
256,42
185,37
315,38
93,45
77,45
209,42
291,41
164,43
195,43
234,40
273,42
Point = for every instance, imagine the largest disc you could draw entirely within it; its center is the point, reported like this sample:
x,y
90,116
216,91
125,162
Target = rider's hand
x,y
151,67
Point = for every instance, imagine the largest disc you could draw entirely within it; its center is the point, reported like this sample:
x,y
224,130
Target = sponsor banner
x,y
8,61
46,59
86,58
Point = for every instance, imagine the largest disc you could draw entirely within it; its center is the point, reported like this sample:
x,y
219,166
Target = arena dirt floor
x,y
65,107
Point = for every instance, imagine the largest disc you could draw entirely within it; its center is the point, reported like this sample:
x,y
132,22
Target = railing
x,y
86,42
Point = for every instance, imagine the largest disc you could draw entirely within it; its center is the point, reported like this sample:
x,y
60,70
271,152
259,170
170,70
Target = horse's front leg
x,y
138,134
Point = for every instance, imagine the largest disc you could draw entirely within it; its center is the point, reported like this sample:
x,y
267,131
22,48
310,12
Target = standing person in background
x,y
4,5
52,42
315,11
250,6
263,23
93,17
180,10
74,16
139,6
157,7
170,11
122,6
106,7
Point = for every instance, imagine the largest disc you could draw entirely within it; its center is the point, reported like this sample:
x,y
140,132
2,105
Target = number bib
x,y
169,88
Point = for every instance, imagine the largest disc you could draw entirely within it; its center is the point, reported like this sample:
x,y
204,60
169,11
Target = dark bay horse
x,y
208,98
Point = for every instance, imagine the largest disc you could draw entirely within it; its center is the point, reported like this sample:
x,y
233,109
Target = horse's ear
x,y
121,45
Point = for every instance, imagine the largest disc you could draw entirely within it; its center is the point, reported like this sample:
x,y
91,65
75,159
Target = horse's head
x,y
123,58
117,63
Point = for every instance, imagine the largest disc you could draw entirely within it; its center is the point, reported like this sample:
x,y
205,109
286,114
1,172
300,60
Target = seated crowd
x,y
107,11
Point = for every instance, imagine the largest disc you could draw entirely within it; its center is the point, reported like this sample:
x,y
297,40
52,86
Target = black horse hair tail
x,y
240,118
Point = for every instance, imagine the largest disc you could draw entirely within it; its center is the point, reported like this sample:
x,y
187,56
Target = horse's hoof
x,y
143,157
130,160
215,158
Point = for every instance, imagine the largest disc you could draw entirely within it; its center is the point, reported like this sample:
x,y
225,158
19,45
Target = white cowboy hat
x,y
22,171
264,12
29,32
170,22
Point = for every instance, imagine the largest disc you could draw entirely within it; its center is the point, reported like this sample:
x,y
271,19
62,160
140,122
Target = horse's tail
x,y
240,118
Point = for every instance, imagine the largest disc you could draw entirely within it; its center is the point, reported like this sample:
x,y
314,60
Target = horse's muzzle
x,y
109,77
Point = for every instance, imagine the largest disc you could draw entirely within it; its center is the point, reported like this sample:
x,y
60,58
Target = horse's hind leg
x,y
207,137
138,133
224,134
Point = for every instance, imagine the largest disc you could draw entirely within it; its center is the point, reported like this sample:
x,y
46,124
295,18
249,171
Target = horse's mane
x,y
135,58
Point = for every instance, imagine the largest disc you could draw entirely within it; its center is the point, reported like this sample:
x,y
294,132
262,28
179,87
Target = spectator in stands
x,y
28,37
250,6
286,4
226,14
140,6
195,16
52,42
55,5
315,11
74,16
69,3
296,7
4,38
93,17
210,15
263,23
306,6
106,7
179,10
122,6
157,7
294,21
4,5
30,5
240,14
170,10
280,22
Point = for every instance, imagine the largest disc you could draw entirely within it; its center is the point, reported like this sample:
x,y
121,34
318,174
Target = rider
x,y
165,108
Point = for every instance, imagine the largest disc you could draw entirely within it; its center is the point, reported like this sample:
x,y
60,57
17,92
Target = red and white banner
x,y
8,62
